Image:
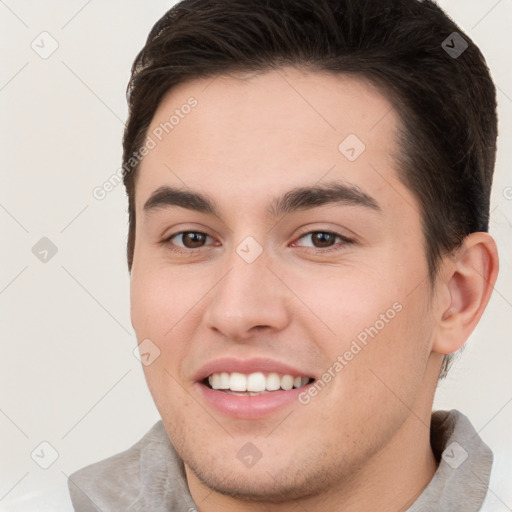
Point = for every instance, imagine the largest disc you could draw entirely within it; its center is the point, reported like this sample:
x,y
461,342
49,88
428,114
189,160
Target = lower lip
x,y
249,407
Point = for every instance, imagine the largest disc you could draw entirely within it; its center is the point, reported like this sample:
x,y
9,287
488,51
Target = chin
x,y
296,474
259,486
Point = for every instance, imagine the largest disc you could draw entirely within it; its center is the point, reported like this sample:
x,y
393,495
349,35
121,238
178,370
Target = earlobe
x,y
469,281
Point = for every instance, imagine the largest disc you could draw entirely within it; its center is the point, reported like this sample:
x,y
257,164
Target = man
x,y
308,187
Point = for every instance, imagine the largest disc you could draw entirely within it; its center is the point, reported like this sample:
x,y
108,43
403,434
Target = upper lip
x,y
248,366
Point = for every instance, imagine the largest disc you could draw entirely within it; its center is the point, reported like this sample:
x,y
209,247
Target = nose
x,y
248,299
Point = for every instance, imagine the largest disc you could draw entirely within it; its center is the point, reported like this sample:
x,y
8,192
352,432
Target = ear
x,y
465,286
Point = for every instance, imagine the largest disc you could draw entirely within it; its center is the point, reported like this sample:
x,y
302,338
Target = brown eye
x,y
187,240
192,239
324,241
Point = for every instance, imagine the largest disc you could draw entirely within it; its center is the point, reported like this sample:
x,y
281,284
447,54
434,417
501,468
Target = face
x,y
301,263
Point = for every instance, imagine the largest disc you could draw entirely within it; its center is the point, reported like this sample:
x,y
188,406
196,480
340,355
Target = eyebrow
x,y
296,199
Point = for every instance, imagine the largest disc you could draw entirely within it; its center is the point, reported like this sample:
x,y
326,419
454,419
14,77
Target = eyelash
x,y
315,250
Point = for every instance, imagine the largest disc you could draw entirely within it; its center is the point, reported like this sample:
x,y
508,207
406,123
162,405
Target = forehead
x,y
268,132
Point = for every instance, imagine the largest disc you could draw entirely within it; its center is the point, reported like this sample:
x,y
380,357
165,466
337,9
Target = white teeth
x,y
287,382
215,381
224,380
238,382
273,382
219,380
256,382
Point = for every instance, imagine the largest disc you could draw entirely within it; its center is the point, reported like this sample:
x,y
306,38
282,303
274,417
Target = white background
x,y
68,374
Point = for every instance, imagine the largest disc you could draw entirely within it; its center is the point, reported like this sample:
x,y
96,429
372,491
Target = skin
x,y
363,442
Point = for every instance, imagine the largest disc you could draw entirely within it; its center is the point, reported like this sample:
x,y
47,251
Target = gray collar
x,y
150,475
465,461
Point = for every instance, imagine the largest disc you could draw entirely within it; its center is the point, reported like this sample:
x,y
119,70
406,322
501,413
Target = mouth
x,y
254,384
250,389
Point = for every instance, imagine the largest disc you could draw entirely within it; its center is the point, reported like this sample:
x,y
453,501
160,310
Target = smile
x,y
254,384
250,389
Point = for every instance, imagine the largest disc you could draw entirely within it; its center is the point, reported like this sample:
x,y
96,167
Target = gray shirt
x,y
150,475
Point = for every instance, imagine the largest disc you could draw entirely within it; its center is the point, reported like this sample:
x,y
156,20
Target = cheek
x,y
348,302
382,335
165,310
159,299
393,363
